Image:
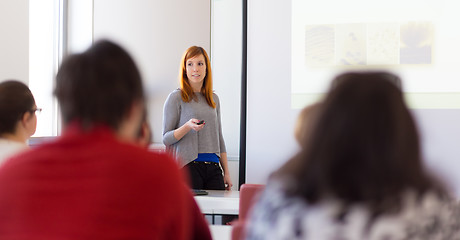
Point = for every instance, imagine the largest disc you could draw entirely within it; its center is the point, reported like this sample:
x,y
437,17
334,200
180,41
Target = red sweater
x,y
92,186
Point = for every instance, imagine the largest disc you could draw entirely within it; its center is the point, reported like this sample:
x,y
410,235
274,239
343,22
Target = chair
x,y
249,194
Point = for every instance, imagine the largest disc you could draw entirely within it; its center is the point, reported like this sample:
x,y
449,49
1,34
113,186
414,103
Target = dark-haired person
x,y
95,182
18,121
359,175
192,127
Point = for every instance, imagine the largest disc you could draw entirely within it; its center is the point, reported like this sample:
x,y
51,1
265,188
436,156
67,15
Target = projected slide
x,y
368,44
418,41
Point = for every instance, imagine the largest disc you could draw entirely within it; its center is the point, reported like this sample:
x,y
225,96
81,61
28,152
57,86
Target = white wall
x,y
226,51
156,33
440,140
80,25
270,119
14,45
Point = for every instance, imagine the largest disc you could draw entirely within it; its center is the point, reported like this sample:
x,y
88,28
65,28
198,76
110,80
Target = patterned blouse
x,y
279,217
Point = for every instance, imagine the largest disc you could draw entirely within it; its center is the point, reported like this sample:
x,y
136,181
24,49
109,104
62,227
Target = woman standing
x,y
192,125
17,118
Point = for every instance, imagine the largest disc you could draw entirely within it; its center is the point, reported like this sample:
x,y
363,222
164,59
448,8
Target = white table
x,y
219,206
219,202
221,232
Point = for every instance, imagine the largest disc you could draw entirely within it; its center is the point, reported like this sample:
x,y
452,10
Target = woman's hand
x,y
192,123
189,125
228,182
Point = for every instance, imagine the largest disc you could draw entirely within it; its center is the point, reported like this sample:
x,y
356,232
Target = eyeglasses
x,y
36,110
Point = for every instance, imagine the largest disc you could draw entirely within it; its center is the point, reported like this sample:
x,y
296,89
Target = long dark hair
x,y
15,100
363,148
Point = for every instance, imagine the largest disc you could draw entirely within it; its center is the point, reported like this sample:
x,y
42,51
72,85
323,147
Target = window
x,y
56,27
43,52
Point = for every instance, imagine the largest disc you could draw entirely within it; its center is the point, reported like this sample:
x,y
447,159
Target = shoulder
x,y
273,198
216,99
432,217
174,97
160,163
214,95
421,217
144,168
276,215
176,94
10,148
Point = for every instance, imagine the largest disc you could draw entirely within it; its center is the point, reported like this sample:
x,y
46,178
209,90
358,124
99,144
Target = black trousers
x,y
206,175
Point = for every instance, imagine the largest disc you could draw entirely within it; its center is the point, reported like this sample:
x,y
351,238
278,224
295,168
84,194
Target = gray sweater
x,y
207,140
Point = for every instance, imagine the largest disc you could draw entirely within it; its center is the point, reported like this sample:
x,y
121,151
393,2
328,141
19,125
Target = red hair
x,y
186,89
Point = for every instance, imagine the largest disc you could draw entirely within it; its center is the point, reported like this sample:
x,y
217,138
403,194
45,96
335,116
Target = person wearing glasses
x,y
18,121
192,127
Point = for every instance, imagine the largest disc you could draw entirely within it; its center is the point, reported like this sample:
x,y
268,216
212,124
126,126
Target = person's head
x,y
17,111
364,147
195,70
304,122
101,86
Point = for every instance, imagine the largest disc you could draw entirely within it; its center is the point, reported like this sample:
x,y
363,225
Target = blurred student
x,y
94,182
18,121
200,228
359,175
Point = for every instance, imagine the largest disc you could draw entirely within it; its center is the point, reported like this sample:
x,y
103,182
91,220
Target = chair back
x,y
249,194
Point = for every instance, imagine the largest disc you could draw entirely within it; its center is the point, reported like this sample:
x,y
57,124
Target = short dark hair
x,y
98,86
364,147
15,100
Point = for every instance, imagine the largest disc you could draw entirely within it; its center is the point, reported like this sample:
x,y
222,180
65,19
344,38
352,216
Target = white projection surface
x,y
296,47
418,40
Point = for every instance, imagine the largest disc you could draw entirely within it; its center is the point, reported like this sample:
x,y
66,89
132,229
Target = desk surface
x,y
219,202
221,232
